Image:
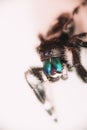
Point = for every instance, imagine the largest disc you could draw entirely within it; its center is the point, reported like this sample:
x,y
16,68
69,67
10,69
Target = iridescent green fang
x,y
47,66
56,62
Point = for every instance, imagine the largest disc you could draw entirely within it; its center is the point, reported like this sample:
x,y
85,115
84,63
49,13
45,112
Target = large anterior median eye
x,y
47,66
56,62
48,53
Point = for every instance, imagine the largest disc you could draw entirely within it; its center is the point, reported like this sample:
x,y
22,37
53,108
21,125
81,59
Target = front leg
x,y
39,83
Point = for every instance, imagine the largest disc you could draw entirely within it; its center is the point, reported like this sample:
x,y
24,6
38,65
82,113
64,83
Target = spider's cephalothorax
x,y
59,51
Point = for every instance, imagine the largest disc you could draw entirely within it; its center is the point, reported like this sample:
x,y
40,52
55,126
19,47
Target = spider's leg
x,y
34,80
76,10
79,68
82,39
39,83
78,40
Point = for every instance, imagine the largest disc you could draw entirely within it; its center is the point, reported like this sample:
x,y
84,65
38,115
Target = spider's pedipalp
x,y
64,72
68,57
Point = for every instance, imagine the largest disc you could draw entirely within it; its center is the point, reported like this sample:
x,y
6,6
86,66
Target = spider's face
x,y
49,48
47,54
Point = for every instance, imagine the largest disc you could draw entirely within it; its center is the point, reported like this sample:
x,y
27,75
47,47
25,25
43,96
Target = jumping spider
x,y
59,51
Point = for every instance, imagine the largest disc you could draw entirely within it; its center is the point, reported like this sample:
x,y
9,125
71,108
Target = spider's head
x,y
48,48
66,21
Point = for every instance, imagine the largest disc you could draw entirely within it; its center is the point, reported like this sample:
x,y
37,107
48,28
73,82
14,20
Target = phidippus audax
x,y
59,51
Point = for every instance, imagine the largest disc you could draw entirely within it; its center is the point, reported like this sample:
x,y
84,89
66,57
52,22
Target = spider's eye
x,y
50,52
46,53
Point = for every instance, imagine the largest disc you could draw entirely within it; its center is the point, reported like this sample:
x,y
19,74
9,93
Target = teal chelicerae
x,y
56,63
47,66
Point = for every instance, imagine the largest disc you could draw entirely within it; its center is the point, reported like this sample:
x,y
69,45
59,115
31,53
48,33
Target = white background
x,y
20,23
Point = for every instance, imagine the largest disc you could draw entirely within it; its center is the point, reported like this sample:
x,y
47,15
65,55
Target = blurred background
x,y
20,23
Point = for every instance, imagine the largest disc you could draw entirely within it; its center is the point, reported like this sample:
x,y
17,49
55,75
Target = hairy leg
x,y
78,40
76,10
39,83
82,38
79,68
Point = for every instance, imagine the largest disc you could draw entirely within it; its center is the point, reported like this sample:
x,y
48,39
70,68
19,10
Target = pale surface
x,y
20,23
